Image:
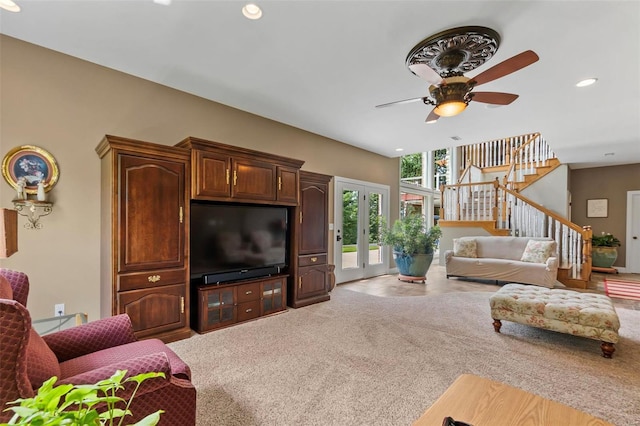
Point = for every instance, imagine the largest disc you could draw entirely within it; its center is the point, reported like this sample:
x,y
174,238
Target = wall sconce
x,y
32,171
33,210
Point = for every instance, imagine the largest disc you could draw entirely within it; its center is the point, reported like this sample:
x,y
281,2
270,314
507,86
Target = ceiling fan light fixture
x,y
450,108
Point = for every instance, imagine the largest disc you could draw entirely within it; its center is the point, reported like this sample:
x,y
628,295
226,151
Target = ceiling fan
x,y
442,60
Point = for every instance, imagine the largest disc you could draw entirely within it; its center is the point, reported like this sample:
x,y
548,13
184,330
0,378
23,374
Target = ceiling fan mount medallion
x,y
442,60
456,51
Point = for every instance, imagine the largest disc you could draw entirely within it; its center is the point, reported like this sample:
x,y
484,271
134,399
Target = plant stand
x,y
410,279
604,270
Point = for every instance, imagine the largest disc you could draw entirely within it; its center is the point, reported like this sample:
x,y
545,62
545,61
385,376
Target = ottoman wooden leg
x,y
607,349
497,324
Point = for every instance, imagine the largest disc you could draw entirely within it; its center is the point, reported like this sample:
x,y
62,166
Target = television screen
x,y
227,237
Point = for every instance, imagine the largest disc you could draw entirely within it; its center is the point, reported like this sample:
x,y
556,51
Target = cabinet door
x,y
213,175
313,228
287,184
253,180
273,296
154,310
151,213
312,281
217,308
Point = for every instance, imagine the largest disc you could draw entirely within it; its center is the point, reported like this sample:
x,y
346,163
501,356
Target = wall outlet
x,y
58,310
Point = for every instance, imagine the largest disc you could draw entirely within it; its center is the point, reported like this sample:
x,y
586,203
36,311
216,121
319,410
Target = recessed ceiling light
x,y
9,5
163,2
252,11
399,149
456,138
586,82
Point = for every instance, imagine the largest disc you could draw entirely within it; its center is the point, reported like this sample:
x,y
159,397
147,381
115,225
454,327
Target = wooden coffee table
x,y
483,402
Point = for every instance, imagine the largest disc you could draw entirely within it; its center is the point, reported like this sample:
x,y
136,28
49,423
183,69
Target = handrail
x,y
527,157
544,210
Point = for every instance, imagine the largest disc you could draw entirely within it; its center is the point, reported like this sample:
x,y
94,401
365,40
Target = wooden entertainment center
x,y
146,195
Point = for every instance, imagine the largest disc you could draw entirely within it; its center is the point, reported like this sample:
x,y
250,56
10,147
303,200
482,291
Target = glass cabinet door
x,y
220,309
272,296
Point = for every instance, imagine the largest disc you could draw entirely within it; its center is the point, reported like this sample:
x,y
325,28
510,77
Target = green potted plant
x,y
75,405
413,244
604,250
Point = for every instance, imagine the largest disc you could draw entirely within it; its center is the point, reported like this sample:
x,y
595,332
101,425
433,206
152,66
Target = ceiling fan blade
x,y
426,73
406,101
506,67
432,117
496,98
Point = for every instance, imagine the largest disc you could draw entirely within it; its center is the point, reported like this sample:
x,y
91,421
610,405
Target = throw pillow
x,y
6,292
538,251
42,363
465,247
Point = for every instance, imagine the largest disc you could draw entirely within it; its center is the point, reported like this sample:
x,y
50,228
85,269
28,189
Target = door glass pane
x,y
350,215
375,211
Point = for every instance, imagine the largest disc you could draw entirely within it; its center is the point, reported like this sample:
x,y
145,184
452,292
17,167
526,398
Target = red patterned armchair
x,y
84,355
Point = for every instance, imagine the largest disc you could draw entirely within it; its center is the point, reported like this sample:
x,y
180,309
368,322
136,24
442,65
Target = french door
x,y
358,207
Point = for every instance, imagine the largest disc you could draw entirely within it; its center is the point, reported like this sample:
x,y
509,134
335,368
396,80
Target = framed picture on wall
x,y
29,165
597,207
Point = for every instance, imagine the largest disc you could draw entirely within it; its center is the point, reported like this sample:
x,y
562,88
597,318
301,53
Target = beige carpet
x,y
365,360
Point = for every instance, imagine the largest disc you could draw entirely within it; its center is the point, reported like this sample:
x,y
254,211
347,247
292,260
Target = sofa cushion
x,y
465,247
42,363
538,251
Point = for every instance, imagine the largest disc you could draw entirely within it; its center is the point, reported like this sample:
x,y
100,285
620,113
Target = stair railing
x,y
534,152
483,201
493,153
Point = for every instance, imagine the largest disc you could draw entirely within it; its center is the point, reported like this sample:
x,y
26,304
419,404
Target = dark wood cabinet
x,y
144,244
227,304
225,173
311,278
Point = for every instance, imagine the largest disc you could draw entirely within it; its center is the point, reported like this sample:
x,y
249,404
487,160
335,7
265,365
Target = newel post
x,y
587,250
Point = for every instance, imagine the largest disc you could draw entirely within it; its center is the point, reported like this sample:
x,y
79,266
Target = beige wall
x,y
611,183
66,106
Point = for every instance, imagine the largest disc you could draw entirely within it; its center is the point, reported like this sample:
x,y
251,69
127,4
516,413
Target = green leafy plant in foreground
x,y
79,403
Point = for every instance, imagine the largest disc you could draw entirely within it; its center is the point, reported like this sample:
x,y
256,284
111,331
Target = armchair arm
x,y
552,264
156,362
91,337
447,255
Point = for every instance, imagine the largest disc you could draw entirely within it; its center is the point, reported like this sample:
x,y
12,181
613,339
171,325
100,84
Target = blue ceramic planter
x,y
415,265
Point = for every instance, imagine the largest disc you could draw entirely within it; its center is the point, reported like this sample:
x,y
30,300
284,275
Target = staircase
x,y
498,207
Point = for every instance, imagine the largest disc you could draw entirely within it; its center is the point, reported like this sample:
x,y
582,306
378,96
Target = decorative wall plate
x,y
33,165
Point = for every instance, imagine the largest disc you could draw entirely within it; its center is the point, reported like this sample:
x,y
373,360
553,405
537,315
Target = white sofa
x,y
511,259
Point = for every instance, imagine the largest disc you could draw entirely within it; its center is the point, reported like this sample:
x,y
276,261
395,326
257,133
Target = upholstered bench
x,y
581,314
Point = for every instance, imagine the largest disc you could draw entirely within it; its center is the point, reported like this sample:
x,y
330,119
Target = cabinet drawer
x,y
248,292
316,259
248,310
150,279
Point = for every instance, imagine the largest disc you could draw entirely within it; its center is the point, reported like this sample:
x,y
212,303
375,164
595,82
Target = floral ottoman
x,y
581,314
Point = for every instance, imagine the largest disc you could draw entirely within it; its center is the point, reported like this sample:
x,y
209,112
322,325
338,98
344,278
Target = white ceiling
x,y
322,66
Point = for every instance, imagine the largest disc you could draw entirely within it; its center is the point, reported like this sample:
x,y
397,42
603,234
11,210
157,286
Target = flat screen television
x,y
230,242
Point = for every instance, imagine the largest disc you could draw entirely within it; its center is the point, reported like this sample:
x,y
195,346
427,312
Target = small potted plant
x,y
413,244
604,250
